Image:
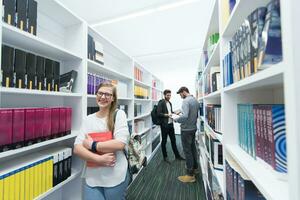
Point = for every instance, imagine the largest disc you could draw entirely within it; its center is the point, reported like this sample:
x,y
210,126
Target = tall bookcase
x,y
63,36
277,84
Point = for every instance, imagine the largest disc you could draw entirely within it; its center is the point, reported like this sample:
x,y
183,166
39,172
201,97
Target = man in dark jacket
x,y
164,110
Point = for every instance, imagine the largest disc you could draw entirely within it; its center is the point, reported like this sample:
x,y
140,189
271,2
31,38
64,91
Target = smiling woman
x,y
101,143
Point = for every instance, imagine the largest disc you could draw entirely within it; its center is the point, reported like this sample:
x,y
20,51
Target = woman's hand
x,y
87,142
107,160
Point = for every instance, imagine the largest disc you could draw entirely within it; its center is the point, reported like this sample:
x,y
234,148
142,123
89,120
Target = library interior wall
x,y
175,71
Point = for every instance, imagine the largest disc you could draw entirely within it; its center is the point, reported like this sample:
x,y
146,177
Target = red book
x,y
18,127
47,123
29,125
99,137
68,120
54,122
5,128
62,121
39,122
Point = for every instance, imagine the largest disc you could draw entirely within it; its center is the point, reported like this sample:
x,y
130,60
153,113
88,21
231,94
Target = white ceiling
x,y
156,34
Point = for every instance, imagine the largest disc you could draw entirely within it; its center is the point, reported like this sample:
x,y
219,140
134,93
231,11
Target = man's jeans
x,y
189,149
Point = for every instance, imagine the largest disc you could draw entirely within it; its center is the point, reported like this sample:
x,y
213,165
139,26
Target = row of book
x,y
138,109
30,176
262,133
138,74
213,116
227,70
21,14
25,126
226,9
140,92
124,107
22,69
212,80
94,80
210,161
156,94
211,43
257,43
238,185
95,50
215,150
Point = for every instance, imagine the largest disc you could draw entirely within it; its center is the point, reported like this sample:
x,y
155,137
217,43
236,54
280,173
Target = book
x,y
40,72
31,71
49,79
31,17
29,126
20,69
54,122
67,81
7,66
56,70
9,11
47,124
6,129
270,50
99,137
62,121
21,14
18,128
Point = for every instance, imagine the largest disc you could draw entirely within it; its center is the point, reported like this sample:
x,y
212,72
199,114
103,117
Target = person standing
x,y
108,178
188,121
164,110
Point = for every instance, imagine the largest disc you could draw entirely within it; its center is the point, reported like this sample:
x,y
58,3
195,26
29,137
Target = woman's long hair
x,y
113,105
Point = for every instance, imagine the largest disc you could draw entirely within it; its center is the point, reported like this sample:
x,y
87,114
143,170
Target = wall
x,y
174,70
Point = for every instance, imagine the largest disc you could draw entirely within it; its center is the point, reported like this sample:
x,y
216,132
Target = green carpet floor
x,y
159,180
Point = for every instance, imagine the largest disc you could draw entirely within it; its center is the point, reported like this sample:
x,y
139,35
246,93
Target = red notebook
x,y
99,137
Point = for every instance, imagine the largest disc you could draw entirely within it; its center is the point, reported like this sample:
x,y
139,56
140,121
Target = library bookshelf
x,y
63,36
277,84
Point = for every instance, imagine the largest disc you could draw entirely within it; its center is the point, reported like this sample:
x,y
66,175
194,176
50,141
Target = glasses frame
x,y
105,94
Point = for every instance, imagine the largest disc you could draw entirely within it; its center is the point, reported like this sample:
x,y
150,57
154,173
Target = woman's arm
x,y
108,159
121,137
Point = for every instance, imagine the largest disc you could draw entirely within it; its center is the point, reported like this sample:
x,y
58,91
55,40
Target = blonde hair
x,y
113,105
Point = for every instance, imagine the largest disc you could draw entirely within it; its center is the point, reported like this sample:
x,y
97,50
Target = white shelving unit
x,y
276,84
63,37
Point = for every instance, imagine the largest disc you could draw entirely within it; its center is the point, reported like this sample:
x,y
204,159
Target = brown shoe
x,y
187,179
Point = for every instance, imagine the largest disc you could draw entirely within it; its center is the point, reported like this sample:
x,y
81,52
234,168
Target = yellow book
x,y
35,180
10,184
51,173
1,188
39,178
225,13
43,175
6,186
31,181
22,184
17,184
27,182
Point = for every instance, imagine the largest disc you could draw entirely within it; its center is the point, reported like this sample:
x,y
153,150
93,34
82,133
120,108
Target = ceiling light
x,y
144,12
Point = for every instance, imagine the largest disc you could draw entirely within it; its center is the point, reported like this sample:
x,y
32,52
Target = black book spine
x,y
9,11
21,14
31,71
31,16
56,75
49,75
20,68
40,72
7,66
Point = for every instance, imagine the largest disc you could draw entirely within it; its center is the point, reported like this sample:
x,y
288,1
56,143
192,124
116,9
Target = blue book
x,y
270,51
278,120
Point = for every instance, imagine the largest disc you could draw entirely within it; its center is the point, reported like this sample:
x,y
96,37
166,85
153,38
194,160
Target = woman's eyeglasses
x,y
106,95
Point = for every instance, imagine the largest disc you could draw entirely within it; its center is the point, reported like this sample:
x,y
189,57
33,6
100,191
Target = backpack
x,y
136,155
154,116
